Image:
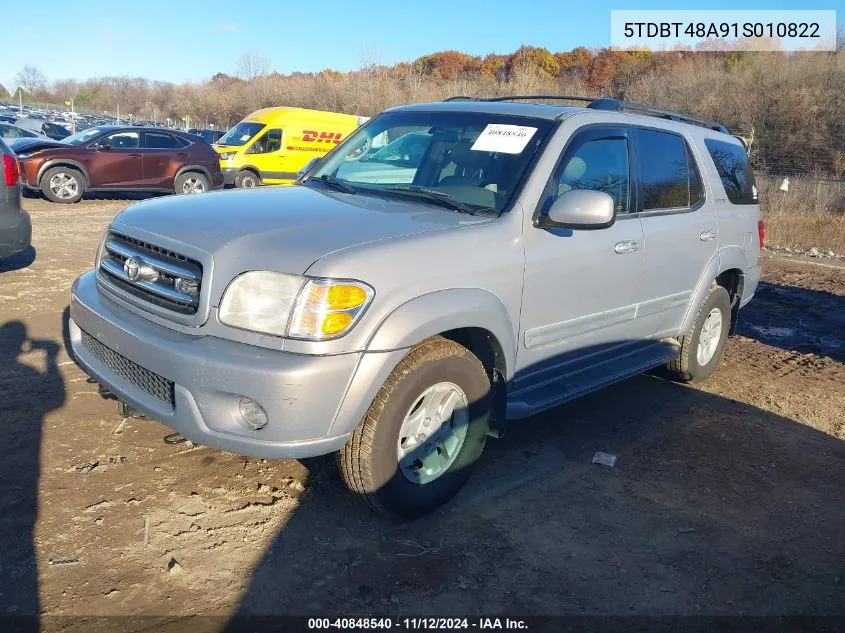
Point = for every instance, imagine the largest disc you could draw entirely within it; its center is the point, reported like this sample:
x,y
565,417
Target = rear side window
x,y
157,140
668,173
732,166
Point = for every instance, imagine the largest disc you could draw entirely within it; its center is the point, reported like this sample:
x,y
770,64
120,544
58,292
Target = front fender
x,y
445,310
55,162
412,323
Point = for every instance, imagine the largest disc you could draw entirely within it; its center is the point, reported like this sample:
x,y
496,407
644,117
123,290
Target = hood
x,y
28,145
283,229
226,148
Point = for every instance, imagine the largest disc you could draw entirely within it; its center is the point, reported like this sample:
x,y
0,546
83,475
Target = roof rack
x,y
616,105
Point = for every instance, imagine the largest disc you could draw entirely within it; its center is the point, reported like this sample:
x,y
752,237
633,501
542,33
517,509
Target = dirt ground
x,y
727,499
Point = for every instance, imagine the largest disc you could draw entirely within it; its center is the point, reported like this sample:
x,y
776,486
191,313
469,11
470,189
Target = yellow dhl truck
x,y
271,145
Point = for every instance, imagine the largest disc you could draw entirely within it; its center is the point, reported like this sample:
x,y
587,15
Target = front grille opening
x,y
144,379
161,302
152,249
151,254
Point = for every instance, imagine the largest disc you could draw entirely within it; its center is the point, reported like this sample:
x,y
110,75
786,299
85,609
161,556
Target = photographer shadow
x,y
27,395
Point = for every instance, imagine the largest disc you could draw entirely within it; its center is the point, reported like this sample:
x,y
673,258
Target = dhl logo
x,y
312,136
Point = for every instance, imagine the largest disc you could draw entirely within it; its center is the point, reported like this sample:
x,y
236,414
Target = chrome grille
x,y
164,278
131,372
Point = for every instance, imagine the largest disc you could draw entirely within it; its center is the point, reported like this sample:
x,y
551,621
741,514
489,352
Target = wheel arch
x,y
189,168
63,162
474,318
725,269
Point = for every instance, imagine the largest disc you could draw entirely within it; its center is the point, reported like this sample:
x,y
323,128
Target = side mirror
x,y
311,163
102,145
580,209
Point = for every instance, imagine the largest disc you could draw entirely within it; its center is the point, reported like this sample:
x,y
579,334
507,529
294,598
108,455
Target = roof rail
x,y
605,103
619,106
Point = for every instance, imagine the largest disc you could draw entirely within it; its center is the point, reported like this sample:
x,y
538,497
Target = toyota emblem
x,y
132,268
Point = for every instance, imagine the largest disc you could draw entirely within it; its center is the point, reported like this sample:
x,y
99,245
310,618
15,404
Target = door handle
x,y
628,246
134,156
706,236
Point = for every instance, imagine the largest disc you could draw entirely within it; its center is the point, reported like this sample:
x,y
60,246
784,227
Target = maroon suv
x,y
118,159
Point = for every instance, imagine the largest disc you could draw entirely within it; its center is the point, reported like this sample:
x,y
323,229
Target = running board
x,y
550,394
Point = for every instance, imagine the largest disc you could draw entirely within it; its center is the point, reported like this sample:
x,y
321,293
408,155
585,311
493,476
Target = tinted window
x,y
156,140
732,166
598,165
123,140
664,170
270,141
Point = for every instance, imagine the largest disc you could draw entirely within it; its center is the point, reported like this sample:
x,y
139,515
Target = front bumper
x,y
229,176
302,395
17,237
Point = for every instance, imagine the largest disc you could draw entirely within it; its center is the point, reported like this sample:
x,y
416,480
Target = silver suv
x,y
407,297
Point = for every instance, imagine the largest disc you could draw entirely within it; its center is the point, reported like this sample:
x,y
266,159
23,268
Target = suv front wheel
x,y
64,185
424,432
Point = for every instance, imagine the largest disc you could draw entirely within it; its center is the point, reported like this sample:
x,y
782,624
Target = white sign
x,y
508,139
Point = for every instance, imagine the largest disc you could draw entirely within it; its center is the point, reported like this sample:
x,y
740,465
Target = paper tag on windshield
x,y
508,139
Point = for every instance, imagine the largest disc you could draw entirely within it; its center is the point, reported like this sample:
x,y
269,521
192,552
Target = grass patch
x,y
811,213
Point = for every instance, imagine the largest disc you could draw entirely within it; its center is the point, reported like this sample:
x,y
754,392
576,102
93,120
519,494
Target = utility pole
x,y
117,120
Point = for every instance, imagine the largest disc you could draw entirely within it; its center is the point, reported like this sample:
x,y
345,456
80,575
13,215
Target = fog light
x,y
252,414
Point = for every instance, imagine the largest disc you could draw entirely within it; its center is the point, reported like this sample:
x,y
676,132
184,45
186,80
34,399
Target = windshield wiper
x,y
440,197
331,181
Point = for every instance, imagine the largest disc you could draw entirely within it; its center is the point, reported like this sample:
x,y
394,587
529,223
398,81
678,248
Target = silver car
x,y
538,252
15,225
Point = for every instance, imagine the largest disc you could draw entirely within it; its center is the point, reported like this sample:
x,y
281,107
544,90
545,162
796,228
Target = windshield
x,y
82,137
477,160
241,133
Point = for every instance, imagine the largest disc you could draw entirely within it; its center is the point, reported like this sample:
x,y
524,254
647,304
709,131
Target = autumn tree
x,y
4,94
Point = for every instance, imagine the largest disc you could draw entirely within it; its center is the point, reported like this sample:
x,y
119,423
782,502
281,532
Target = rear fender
x,y
726,259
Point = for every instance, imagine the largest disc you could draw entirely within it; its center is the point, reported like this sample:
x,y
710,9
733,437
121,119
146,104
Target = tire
x,y
697,361
191,182
370,461
63,185
246,179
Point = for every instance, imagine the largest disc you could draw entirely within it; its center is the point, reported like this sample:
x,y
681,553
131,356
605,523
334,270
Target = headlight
x,y
328,308
260,301
227,155
98,254
294,306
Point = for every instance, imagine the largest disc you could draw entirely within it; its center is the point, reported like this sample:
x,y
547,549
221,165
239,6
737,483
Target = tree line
x,y
788,103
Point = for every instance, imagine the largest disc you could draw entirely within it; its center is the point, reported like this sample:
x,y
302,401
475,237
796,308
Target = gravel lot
x,y
727,499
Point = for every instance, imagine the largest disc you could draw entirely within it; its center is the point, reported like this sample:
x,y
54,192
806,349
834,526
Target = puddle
x,y
776,332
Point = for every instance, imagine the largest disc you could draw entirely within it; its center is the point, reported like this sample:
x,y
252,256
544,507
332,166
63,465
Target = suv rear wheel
x,y
424,432
701,347
64,185
192,182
